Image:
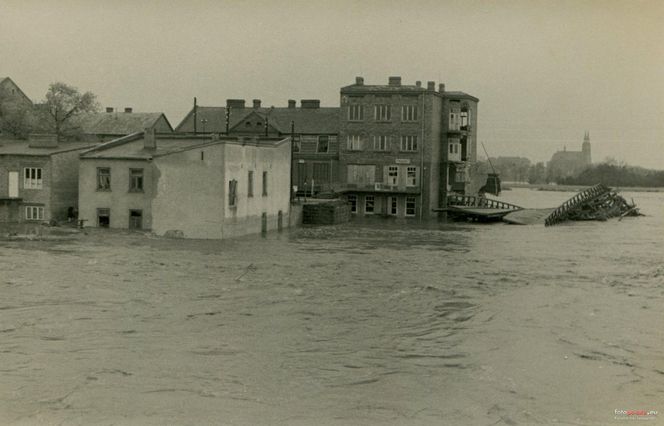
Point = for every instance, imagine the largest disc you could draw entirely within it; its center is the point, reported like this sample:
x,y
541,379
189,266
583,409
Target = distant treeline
x,y
610,173
617,175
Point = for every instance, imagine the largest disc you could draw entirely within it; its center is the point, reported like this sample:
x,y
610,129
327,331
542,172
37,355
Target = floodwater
x,y
369,323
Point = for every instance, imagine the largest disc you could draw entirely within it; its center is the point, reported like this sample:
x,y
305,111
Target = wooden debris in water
x,y
595,203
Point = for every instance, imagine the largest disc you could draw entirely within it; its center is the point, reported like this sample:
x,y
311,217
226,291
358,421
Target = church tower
x,y
585,149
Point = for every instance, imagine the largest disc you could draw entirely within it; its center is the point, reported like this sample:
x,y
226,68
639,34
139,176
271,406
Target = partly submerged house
x,y
38,179
314,129
197,186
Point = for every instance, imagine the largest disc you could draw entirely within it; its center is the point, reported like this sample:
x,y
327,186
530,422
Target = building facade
x,y
314,130
197,186
405,148
38,179
570,163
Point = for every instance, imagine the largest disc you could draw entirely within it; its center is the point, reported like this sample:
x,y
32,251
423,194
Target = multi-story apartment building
x,y
405,148
314,130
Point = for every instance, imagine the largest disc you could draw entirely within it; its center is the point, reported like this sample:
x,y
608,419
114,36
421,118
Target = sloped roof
x,y
133,146
307,120
362,88
3,79
118,123
22,147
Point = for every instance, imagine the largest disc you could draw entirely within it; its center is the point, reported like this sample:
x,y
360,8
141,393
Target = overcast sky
x,y
544,71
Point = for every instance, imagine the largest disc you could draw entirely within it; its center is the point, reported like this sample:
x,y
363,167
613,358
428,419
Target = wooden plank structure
x,y
595,203
477,208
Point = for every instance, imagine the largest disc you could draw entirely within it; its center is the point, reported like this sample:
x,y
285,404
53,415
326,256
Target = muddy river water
x,y
370,323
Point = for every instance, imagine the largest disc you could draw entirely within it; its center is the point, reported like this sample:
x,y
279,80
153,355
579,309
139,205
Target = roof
x,y
307,120
22,147
460,95
133,146
118,123
3,79
362,88
414,89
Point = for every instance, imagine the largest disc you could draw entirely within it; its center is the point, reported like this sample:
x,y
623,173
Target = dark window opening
x,y
104,218
135,219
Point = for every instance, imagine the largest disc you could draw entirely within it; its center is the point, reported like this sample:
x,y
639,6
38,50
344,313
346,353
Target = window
x,y
321,173
356,112
103,179
411,176
297,144
250,184
135,219
465,119
33,178
264,184
34,213
409,143
460,175
354,143
232,193
103,218
380,143
361,174
454,121
135,180
323,144
202,155
352,200
369,202
392,175
383,112
410,206
409,113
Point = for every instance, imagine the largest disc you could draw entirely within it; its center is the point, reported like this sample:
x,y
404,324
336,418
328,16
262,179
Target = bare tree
x,y
63,104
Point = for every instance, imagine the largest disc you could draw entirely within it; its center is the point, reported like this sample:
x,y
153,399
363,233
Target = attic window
x,y
248,124
258,123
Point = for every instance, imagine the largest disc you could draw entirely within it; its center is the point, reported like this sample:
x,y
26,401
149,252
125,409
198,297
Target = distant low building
x,y
38,179
315,130
11,93
111,124
570,163
196,186
15,110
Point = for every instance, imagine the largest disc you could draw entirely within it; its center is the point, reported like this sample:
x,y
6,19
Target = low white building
x,y
197,186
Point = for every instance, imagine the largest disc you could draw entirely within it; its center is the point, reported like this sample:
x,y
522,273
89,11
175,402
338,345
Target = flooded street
x,y
368,323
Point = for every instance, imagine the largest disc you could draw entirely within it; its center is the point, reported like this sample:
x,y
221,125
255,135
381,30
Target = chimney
x,y
42,140
310,103
234,103
441,88
149,140
359,81
257,103
129,110
291,103
394,81
431,86
418,83
109,109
